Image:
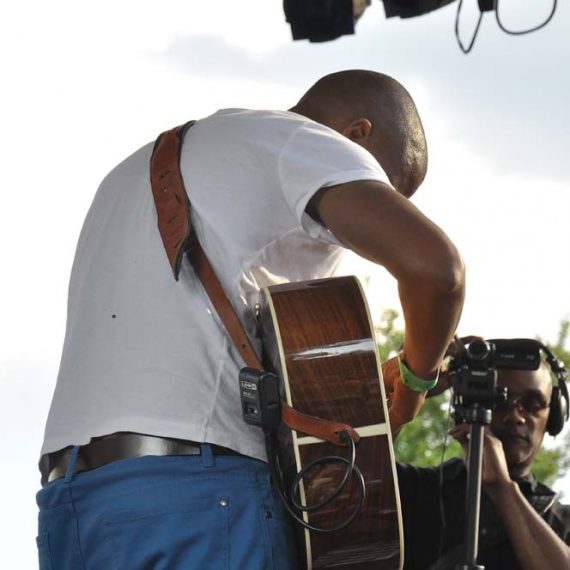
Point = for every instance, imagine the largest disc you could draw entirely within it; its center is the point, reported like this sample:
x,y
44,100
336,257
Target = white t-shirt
x,y
145,353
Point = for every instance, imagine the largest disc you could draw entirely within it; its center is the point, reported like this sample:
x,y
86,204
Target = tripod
x,y
478,417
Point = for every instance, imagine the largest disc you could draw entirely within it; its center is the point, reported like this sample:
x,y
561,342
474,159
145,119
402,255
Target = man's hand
x,y
390,374
404,404
442,382
495,474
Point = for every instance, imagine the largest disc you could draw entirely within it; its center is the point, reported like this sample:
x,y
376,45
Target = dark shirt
x,y
431,524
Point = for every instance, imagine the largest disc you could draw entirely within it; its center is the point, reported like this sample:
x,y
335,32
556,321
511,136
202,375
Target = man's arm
x,y
535,544
381,225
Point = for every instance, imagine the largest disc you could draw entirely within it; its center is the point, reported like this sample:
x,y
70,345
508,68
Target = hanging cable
x,y
463,48
521,32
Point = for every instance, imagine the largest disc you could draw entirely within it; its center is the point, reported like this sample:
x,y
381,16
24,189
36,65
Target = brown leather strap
x,y
178,236
221,303
317,427
172,204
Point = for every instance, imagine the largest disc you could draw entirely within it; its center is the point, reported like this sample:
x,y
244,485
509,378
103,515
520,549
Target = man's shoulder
x,y
254,128
269,123
556,514
558,518
560,510
240,115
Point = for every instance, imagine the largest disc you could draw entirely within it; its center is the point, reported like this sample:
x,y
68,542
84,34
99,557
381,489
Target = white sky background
x,y
86,84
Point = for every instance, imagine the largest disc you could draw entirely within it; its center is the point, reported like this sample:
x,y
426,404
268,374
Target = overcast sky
x,y
85,84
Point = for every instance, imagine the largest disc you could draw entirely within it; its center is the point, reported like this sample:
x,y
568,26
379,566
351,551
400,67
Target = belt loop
x,y
71,464
207,455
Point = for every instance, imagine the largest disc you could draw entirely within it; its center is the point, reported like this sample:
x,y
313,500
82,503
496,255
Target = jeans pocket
x,y
44,554
188,536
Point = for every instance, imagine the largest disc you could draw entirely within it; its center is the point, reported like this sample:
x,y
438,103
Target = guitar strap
x,y
179,237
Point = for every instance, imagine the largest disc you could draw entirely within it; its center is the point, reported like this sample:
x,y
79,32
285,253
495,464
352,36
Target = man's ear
x,y
358,131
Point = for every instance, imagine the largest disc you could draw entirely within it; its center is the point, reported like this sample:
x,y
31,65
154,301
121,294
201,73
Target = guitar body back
x,y
317,336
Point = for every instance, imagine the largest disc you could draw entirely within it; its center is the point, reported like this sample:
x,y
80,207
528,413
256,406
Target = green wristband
x,y
414,382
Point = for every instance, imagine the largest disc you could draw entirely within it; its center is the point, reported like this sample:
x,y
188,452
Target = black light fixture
x,y
411,8
323,20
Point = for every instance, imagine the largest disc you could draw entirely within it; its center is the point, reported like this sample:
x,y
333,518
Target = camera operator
x,y
522,525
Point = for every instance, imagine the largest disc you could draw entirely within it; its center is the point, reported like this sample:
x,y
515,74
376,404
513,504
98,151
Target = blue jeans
x,y
200,512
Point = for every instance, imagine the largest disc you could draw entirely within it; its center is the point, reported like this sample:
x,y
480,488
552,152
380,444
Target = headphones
x,y
559,401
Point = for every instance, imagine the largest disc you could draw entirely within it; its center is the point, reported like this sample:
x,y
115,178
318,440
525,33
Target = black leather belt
x,y
123,445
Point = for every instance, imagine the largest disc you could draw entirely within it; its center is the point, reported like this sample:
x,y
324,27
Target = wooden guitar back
x,y
317,336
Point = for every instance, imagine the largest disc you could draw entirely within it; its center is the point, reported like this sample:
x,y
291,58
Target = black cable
x,y
463,48
277,477
295,491
521,32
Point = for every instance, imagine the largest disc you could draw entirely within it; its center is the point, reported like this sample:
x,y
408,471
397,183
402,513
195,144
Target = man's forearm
x,y
430,324
431,315
535,544
382,226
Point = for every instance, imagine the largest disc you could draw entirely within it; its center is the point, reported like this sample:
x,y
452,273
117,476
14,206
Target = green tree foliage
x,y
389,335
423,441
550,464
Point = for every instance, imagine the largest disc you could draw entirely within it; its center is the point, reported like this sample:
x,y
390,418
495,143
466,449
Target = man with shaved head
x,y
522,524
377,112
147,462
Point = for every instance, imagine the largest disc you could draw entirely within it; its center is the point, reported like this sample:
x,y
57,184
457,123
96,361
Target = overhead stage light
x,y
323,20
411,8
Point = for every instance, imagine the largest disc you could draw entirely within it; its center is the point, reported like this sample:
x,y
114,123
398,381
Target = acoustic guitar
x,y
317,336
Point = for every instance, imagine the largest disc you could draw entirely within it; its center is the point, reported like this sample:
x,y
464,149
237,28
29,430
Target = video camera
x,y
473,374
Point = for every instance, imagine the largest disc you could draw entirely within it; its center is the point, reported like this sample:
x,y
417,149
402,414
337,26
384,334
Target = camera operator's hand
x,y
457,345
495,473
